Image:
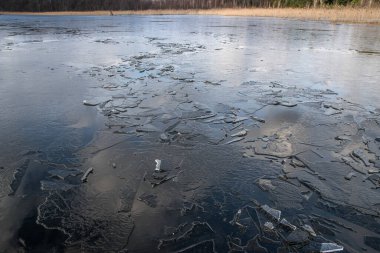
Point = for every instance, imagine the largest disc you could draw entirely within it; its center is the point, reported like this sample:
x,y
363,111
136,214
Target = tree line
x,y
89,5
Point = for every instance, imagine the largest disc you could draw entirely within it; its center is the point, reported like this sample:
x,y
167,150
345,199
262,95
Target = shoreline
x,y
344,14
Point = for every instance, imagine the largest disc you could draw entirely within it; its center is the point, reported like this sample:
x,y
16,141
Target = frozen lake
x,y
268,133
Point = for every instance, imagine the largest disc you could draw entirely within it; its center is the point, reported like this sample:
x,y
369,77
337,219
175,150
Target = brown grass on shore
x,y
344,14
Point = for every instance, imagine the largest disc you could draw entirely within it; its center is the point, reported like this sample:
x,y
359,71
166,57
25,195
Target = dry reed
x,y
344,14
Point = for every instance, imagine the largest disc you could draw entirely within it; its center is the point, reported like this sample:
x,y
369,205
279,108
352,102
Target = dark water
x,y
268,132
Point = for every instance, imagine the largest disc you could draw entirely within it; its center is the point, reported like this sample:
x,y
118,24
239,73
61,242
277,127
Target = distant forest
x,y
88,5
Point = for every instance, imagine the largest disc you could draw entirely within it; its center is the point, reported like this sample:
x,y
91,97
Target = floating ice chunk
x,y
258,119
235,119
309,229
373,171
268,225
164,137
266,184
349,175
240,134
342,138
215,119
287,104
85,175
158,165
327,247
273,213
207,116
239,119
88,103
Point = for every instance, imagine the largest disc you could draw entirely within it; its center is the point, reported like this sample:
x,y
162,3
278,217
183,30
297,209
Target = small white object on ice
x,y
158,165
88,103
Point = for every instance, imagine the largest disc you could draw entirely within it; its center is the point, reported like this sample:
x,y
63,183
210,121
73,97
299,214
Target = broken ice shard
x,y
330,247
84,178
268,225
240,134
325,247
273,213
